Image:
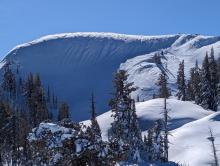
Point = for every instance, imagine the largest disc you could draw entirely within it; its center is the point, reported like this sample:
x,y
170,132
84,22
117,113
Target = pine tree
x,y
48,95
5,120
9,82
196,83
218,97
158,142
181,82
213,79
94,123
36,100
189,91
125,129
166,132
149,144
218,68
157,59
162,83
206,90
64,112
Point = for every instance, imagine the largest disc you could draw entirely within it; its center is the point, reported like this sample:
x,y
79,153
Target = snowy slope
x,y
189,125
180,113
75,64
144,72
190,144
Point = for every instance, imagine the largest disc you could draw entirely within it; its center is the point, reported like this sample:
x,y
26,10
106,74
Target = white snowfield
x,y
189,126
190,144
76,64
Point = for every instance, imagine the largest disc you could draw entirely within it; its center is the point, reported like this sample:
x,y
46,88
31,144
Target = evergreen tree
x,y
157,59
5,141
218,97
96,132
48,95
181,82
213,79
149,144
206,90
9,82
218,68
125,129
189,91
36,100
163,89
158,142
196,83
166,132
64,112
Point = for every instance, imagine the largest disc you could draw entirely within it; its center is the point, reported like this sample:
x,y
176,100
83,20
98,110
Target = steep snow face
x,y
76,64
190,143
144,72
180,113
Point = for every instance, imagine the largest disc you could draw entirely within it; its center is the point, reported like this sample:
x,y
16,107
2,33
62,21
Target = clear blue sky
x,y
25,20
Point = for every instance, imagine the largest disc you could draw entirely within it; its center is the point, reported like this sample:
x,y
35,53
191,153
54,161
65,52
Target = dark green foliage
x,y
206,91
9,82
125,128
181,83
163,89
64,112
36,100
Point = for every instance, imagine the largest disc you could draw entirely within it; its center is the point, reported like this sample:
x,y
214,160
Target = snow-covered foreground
x,y
189,125
190,144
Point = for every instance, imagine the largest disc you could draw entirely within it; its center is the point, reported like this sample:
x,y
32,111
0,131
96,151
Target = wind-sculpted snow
x,y
76,64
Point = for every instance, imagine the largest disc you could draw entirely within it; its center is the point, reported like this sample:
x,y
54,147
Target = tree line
x,y
203,85
30,135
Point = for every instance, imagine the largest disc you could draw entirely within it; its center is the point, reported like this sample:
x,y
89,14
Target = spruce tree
x,y
206,90
9,82
64,112
125,128
162,83
166,132
96,132
158,142
149,144
6,134
181,83
218,97
213,79
36,100
196,83
218,68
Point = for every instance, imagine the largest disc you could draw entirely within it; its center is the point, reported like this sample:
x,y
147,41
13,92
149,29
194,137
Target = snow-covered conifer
x,y
125,129
181,83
